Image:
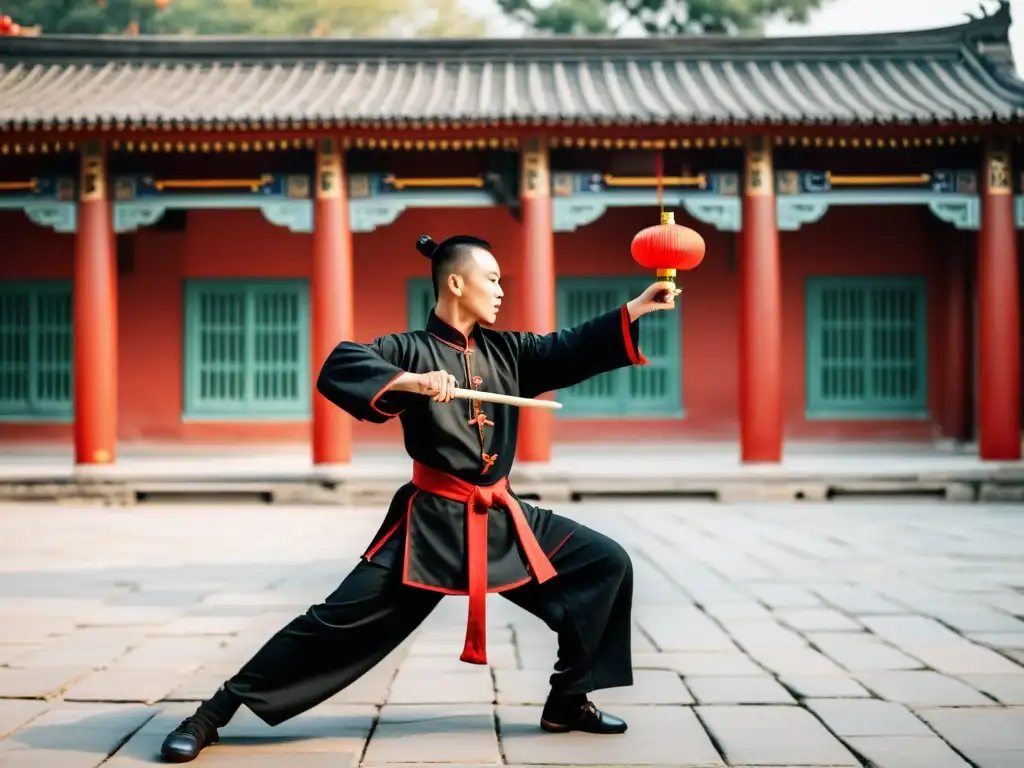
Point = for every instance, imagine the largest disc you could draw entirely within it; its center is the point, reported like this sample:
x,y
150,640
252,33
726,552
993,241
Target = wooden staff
x,y
494,397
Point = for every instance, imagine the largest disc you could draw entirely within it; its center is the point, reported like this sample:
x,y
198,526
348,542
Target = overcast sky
x,y
852,16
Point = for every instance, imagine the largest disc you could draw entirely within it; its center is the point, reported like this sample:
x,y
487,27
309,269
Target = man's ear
x,y
455,284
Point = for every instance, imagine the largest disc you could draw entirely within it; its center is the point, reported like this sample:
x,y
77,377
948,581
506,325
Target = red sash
x,y
478,499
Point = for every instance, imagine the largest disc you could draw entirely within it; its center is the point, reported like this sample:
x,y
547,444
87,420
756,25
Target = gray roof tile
x,y
953,75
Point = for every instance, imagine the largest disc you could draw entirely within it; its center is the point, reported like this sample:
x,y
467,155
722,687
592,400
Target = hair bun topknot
x,y
426,245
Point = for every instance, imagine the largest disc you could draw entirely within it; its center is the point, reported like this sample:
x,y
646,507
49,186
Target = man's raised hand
x,y
659,295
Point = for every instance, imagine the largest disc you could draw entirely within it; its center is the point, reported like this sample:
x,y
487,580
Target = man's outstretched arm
x,y
607,342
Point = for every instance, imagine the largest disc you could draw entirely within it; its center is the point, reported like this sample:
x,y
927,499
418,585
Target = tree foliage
x,y
671,17
323,18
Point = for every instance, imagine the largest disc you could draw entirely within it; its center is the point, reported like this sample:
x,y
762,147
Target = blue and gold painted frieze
x,y
378,199
578,198
48,201
284,199
581,198
804,197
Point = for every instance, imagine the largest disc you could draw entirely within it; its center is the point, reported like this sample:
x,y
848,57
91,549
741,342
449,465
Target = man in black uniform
x,y
457,528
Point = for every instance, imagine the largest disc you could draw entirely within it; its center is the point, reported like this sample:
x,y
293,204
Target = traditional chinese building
x,y
188,226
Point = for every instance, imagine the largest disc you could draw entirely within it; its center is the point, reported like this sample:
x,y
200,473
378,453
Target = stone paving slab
x,y
739,690
656,736
38,683
463,733
765,635
85,647
332,728
822,686
522,687
459,687
773,736
72,735
118,683
923,688
1006,689
906,752
15,713
990,738
867,717
708,664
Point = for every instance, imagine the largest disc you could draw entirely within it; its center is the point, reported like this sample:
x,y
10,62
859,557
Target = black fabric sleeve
x,y
355,377
564,358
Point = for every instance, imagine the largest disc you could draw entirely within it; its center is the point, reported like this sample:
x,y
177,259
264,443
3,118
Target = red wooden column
x,y
331,298
760,364
957,348
538,281
95,315
998,312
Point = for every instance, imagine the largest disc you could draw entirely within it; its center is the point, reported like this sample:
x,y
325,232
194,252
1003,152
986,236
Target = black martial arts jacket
x,y
462,531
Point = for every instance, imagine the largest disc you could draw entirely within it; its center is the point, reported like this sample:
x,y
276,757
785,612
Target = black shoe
x,y
185,742
588,719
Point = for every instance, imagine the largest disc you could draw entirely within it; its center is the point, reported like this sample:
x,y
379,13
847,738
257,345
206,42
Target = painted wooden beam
x,y
581,198
804,197
48,201
578,199
378,199
284,199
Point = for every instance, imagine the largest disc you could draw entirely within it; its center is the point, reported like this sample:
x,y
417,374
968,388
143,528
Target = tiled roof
x,y
956,74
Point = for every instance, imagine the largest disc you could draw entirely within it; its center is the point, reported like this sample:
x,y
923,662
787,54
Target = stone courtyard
x,y
886,634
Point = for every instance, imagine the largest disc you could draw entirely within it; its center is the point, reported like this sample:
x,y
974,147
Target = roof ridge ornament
x,y
991,21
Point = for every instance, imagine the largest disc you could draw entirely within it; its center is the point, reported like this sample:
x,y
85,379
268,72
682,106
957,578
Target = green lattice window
x,y
247,348
637,391
419,302
36,350
867,348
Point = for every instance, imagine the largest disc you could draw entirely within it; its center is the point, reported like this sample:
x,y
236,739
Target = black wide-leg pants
x,y
588,604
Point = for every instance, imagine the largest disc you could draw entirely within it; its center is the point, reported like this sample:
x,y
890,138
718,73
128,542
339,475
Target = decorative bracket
x,y
568,214
47,201
368,215
60,217
293,215
725,214
140,201
793,211
581,198
962,213
130,216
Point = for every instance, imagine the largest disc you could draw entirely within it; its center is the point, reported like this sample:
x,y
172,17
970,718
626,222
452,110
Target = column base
x,y
111,471
331,471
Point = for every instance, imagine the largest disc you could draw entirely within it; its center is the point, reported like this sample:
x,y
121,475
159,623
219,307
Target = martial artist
x,y
457,528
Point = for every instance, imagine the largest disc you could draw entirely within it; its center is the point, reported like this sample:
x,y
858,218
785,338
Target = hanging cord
x,y
659,175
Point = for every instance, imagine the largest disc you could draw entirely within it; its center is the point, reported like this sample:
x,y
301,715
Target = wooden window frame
x,y
247,408
818,405
32,408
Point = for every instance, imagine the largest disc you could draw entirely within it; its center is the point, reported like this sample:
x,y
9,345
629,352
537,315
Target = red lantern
x,y
667,248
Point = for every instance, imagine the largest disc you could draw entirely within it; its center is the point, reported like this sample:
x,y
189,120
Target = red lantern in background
x,y
668,248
